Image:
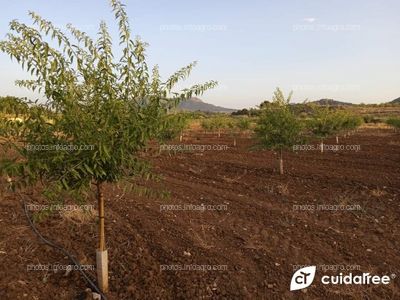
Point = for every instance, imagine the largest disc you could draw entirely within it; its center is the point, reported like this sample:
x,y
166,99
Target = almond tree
x,y
243,124
323,124
231,124
182,123
207,125
394,122
340,123
112,105
277,126
218,124
344,121
172,126
350,122
236,126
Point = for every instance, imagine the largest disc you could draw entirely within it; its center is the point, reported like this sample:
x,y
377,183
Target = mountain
x,y
196,104
395,101
331,102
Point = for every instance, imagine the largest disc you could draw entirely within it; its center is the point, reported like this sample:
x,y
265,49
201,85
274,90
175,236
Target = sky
x,y
339,49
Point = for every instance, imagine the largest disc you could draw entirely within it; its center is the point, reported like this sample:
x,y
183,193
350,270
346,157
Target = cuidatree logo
x,y
302,278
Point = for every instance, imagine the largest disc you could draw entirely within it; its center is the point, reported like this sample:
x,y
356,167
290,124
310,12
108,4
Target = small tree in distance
x,y
172,126
340,119
394,122
243,124
350,122
207,125
113,106
219,123
277,126
231,124
236,127
324,123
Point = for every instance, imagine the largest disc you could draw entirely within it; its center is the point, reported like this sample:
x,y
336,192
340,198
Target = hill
x,y
331,102
395,101
196,104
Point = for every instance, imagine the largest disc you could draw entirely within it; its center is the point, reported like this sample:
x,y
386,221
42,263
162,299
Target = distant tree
x,y
241,112
340,120
371,119
394,122
277,126
243,124
237,126
254,112
350,122
172,126
113,106
265,104
219,123
207,125
231,124
324,123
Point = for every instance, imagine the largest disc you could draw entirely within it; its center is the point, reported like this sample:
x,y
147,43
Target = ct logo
x,y
302,278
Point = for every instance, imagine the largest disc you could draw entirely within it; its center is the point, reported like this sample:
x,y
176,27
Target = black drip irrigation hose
x,y
76,263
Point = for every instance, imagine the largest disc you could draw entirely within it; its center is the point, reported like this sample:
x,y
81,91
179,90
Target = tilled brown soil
x,y
260,227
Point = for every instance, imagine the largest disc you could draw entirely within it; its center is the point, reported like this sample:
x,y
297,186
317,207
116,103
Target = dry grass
x,y
375,126
344,199
79,216
283,189
378,192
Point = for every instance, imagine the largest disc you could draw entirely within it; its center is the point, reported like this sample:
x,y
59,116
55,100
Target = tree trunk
x,y
181,137
322,146
337,139
101,253
280,162
234,142
219,133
